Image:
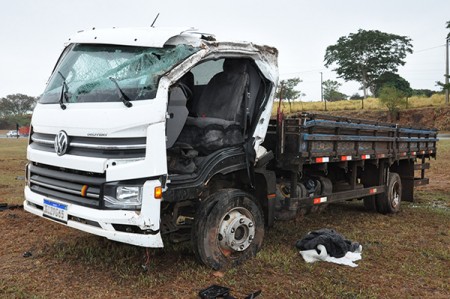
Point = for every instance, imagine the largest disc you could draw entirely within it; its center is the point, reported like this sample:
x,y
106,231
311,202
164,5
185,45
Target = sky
x,y
33,33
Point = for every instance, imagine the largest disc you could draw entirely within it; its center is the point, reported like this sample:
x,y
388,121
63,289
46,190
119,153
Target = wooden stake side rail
x,y
311,139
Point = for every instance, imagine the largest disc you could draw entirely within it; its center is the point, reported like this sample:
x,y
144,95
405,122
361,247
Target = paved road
x,y
4,136
445,136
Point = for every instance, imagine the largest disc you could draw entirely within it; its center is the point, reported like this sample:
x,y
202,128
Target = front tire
x,y
228,229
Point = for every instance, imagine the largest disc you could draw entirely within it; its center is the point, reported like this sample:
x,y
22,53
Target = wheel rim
x,y
395,196
236,230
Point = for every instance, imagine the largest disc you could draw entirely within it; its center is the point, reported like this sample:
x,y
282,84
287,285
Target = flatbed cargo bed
x,y
313,138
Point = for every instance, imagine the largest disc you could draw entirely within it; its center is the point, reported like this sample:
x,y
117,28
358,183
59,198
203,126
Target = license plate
x,y
55,210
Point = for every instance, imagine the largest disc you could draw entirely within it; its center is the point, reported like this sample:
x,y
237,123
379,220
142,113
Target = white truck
x,y
145,132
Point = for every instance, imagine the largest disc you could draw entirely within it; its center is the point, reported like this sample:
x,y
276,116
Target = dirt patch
x,y
404,255
69,264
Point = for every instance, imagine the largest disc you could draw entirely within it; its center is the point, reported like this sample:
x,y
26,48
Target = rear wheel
x,y
228,229
326,189
389,202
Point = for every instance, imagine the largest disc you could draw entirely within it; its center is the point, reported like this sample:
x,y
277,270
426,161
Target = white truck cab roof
x,y
140,36
157,37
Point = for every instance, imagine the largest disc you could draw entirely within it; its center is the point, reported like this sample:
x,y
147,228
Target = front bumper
x,y
109,223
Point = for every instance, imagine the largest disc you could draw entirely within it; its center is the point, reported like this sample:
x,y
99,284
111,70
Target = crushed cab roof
x,y
140,36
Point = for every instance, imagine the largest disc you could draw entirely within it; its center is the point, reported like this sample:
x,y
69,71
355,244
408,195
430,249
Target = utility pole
x,y
321,87
446,70
279,115
321,91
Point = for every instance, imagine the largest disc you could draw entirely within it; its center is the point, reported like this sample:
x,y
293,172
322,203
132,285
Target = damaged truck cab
x,y
144,132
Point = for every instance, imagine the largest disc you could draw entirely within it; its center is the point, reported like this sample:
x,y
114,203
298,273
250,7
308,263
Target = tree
x,y
423,92
391,79
356,96
365,55
443,85
286,89
331,91
392,98
16,104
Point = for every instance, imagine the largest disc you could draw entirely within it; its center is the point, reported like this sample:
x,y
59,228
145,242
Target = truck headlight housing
x,y
123,197
129,194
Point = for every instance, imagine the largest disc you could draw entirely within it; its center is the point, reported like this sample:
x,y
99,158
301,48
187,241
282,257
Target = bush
x,y
392,98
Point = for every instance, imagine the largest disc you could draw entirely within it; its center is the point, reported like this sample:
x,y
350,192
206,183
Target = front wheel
x,y
228,229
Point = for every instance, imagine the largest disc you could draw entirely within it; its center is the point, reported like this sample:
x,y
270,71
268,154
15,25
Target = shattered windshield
x,y
90,72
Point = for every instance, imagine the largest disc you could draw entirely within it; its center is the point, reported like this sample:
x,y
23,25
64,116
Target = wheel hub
x,y
236,230
395,196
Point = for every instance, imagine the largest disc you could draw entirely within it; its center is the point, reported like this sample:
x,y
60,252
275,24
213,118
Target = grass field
x,y
369,104
405,255
12,166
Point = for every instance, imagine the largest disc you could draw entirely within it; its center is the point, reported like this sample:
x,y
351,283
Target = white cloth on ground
x,y
311,256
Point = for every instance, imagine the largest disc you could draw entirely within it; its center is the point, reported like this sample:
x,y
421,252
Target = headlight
x,y
128,193
127,197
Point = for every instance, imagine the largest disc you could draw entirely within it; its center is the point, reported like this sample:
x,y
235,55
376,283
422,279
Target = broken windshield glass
x,y
88,69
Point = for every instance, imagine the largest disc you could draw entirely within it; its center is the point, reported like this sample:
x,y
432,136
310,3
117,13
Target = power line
x,y
328,70
427,49
303,72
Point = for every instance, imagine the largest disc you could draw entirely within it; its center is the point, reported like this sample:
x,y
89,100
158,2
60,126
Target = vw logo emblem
x,y
61,143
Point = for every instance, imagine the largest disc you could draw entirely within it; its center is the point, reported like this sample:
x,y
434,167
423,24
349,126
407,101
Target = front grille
x,y
110,148
66,184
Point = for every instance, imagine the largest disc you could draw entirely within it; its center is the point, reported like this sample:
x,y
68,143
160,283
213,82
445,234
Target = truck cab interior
x,y
213,106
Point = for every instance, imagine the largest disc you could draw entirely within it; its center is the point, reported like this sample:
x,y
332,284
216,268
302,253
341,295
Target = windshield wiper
x,y
63,94
125,99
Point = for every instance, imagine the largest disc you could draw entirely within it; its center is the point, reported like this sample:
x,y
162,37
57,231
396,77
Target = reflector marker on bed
x,y
319,200
364,157
271,195
346,158
322,160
